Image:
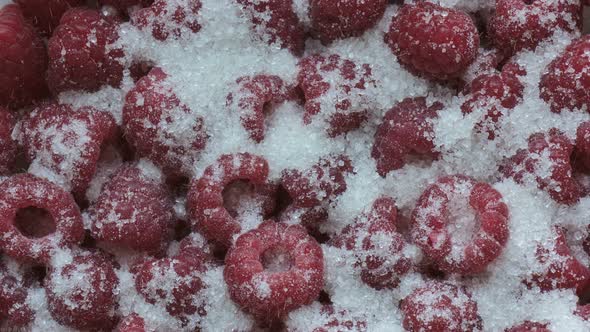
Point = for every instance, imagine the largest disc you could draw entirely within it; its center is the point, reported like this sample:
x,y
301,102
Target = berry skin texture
x,y
529,326
13,297
582,149
273,270
433,41
81,52
131,323
123,5
340,19
23,60
566,80
168,19
24,191
450,309
45,14
8,147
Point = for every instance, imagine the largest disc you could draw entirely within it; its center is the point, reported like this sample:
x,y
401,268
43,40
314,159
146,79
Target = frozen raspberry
x,y
334,90
433,41
273,270
331,318
81,293
310,218
45,14
23,60
439,306
160,126
546,162
8,147
331,20
169,18
134,210
82,54
583,311
582,149
523,24
529,326
195,247
131,323
124,5
566,80
206,202
33,239
461,224
320,183
406,131
64,144
13,296
275,22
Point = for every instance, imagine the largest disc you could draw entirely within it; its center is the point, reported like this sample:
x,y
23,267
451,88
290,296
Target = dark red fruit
x,y
169,18
45,14
13,297
8,147
124,5
529,326
131,323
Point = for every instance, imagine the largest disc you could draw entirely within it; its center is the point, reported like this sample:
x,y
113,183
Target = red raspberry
x,y
82,55
8,147
160,126
320,183
406,130
310,218
439,306
582,149
124,5
81,293
64,144
195,247
566,80
131,323
583,311
547,162
461,224
275,22
45,14
169,18
331,20
523,24
13,296
340,320
334,90
23,60
528,326
273,270
205,200
28,239
433,41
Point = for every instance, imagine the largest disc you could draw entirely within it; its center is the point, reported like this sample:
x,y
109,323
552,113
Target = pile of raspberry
x,y
401,166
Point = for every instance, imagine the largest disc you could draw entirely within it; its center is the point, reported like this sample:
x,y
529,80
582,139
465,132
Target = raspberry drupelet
x,y
13,297
8,147
273,270
529,326
169,19
45,14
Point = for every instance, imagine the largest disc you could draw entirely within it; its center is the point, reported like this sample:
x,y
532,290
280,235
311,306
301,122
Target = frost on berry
x,y
327,318
406,131
334,91
13,297
439,306
311,218
45,14
169,19
131,323
528,326
124,6
582,148
273,270
8,147
433,41
461,224
32,237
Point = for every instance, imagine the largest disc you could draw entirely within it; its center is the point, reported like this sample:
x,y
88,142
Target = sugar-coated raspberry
x,y
82,52
331,20
169,18
131,323
160,126
583,311
406,130
566,79
64,144
273,270
123,5
310,218
19,241
529,326
13,296
461,224
8,147
320,183
523,24
195,247
338,319
45,14
546,162
276,23
439,306
205,201
81,293
433,41
582,148
334,90
23,60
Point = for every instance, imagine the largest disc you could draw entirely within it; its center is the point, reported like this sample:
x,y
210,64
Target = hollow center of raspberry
x,y
33,222
462,221
528,2
239,197
276,259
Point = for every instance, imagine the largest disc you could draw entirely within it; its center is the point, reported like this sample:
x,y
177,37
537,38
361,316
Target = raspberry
x,y
334,90
461,224
131,323
320,183
82,55
124,5
583,311
582,149
439,306
310,218
528,326
273,270
13,296
64,144
546,162
195,247
566,79
23,60
331,20
28,239
45,14
160,126
522,24
133,210
169,18
206,200
338,319
433,41
406,130
81,293
275,22
8,147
